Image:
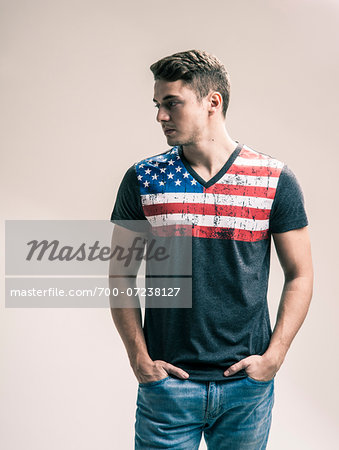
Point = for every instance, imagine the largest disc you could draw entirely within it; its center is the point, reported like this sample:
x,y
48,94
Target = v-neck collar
x,y
217,176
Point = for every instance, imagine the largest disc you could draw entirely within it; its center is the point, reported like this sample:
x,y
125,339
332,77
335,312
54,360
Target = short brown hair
x,y
201,70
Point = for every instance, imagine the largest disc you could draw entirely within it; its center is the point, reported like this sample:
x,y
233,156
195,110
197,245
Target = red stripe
x,y
249,191
206,209
173,230
230,233
211,232
256,171
251,155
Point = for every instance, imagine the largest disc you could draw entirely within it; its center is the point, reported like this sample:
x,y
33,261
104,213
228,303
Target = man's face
x,y
182,116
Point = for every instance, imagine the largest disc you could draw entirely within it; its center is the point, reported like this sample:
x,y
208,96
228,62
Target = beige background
x,y
76,112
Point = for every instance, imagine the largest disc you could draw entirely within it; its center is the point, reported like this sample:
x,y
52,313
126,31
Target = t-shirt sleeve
x,y
288,208
128,208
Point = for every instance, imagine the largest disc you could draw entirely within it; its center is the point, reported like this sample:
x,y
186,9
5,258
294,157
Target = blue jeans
x,y
233,415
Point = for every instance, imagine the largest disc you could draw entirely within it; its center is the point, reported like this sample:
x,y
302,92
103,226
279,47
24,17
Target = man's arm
x,y
294,252
128,321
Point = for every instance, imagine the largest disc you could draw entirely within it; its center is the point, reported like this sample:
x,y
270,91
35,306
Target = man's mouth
x,y
169,131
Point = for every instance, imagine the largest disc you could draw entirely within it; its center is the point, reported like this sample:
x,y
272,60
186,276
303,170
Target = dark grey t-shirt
x,y
233,217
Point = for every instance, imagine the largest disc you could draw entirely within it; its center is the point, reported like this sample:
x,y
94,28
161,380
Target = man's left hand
x,y
260,368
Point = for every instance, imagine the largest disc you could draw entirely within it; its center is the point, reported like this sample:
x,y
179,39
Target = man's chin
x,y
172,141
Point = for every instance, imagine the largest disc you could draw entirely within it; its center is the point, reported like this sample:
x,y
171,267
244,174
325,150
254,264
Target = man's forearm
x,y
293,307
128,322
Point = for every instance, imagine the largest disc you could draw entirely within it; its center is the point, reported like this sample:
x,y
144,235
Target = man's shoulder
x,y
249,156
161,158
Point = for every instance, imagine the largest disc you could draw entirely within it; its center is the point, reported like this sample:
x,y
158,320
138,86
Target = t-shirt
x,y
232,217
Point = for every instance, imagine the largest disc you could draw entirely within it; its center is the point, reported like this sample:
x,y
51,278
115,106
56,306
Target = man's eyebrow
x,y
167,97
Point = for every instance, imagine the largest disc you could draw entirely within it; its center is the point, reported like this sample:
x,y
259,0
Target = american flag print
x,y
237,206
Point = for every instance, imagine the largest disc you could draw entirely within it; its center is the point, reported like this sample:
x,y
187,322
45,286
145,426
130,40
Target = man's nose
x,y
162,115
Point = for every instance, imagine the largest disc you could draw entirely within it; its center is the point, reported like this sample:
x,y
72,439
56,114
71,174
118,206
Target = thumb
x,y
242,364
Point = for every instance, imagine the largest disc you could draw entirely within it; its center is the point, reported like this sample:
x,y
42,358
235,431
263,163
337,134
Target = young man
x,y
210,368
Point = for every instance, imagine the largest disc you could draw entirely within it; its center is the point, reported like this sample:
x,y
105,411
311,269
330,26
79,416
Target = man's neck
x,y
210,153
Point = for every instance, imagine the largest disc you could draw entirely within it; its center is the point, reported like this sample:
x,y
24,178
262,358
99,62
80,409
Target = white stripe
x,y
249,180
207,198
267,162
209,221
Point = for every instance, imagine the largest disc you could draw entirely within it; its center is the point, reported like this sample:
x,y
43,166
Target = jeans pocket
x,y
154,383
259,382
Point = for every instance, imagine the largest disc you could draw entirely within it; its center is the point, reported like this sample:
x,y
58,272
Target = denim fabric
x,y
232,415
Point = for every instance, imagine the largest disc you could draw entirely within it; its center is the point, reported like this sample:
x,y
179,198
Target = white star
x,y
171,162
186,175
178,182
162,183
154,177
193,182
178,157
178,169
150,160
141,166
163,169
146,183
139,177
148,171
170,175
156,164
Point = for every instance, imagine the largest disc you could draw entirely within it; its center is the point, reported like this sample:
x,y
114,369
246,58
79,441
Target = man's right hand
x,y
157,370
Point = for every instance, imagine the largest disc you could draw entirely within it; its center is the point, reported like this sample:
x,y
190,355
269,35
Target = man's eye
x,y
169,105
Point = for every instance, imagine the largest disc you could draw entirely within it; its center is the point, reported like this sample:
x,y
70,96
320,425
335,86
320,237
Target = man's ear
x,y
215,100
